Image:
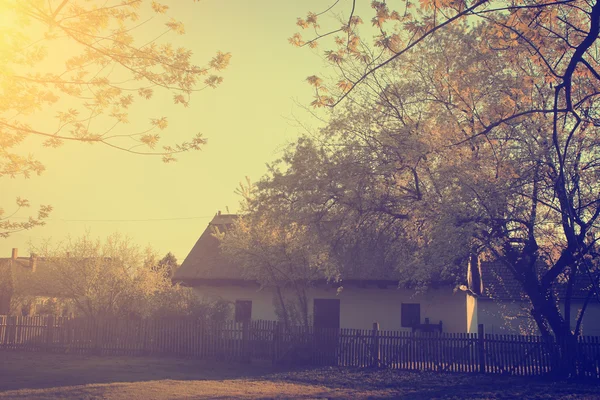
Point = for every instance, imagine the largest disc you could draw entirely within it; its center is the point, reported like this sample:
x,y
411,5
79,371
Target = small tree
x,y
115,278
166,265
280,254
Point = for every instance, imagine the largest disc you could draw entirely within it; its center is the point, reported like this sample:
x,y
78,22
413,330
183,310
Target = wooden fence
x,y
267,340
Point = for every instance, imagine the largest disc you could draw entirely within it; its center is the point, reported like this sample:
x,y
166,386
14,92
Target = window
x,y
326,313
243,310
410,315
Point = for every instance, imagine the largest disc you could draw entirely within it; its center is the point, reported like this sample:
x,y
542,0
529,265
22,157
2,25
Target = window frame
x,y
411,320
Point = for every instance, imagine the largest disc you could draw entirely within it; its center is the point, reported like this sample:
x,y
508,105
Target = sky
x,y
248,120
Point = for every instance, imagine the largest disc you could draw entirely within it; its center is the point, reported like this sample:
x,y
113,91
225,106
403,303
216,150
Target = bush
x,y
178,301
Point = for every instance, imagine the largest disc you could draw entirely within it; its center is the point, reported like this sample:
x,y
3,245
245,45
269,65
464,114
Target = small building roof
x,y
31,276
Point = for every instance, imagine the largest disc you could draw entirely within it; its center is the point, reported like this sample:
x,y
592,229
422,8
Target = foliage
x,y
8,226
166,265
478,120
347,191
183,302
84,64
115,278
280,254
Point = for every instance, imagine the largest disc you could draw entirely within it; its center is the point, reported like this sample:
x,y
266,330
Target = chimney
x,y
219,213
474,281
15,253
33,262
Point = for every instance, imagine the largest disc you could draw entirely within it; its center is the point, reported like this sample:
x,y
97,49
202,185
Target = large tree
x,y
510,119
72,70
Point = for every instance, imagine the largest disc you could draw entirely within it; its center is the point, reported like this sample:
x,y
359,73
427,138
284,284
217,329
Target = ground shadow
x,y
44,376
25,370
440,385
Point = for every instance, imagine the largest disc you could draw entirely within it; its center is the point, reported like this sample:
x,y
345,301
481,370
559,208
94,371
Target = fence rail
x,y
269,341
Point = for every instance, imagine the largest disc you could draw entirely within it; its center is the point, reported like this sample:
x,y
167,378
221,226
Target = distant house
x,y
503,307
28,287
363,300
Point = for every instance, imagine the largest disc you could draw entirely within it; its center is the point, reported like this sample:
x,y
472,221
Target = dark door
x,y
243,310
327,313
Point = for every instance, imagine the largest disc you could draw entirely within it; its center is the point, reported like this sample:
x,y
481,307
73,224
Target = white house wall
x,y
472,314
360,307
591,318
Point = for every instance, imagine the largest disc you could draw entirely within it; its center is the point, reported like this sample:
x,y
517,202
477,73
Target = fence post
x,y
375,345
11,325
98,326
274,344
49,331
246,357
481,347
2,330
144,328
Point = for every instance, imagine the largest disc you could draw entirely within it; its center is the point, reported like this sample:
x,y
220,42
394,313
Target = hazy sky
x,y
247,121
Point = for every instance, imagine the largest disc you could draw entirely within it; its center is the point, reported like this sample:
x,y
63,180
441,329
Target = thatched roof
x,y
205,261
499,283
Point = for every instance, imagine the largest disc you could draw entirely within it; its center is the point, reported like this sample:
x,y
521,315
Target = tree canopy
x,y
72,71
460,128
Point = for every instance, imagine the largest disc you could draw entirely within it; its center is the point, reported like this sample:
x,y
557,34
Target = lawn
x,y
51,376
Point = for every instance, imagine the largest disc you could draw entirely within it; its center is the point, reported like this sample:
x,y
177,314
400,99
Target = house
x,y
28,287
503,307
363,300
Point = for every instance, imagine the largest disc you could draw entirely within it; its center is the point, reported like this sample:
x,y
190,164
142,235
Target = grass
x,y
50,376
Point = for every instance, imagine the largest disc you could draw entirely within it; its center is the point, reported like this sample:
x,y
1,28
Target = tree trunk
x,y
547,316
284,311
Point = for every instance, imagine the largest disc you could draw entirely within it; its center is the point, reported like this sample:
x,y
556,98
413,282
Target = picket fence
x,y
269,341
